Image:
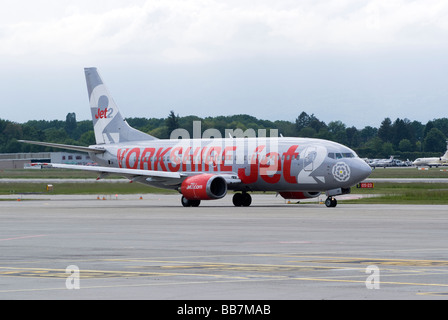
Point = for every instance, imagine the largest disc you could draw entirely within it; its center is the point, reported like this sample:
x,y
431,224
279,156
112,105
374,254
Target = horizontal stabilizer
x,y
65,146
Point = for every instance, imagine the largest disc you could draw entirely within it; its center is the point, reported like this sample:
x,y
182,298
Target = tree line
x,y
402,138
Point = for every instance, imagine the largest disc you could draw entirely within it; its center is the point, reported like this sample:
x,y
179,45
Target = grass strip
x,y
404,193
81,188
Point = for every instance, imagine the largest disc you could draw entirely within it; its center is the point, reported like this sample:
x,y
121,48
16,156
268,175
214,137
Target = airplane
x,y
207,168
383,162
433,161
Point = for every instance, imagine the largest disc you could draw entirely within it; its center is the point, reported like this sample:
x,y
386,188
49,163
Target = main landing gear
x,y
331,202
242,199
190,203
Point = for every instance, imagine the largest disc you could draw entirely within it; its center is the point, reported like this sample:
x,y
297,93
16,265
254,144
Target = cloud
x,y
272,59
207,30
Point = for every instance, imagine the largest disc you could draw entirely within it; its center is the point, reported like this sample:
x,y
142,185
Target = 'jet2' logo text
x,y
104,114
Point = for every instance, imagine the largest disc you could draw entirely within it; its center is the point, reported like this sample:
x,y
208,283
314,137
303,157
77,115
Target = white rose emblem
x,y
341,172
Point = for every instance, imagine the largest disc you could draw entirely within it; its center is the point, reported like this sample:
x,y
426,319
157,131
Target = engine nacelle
x,y
299,194
204,187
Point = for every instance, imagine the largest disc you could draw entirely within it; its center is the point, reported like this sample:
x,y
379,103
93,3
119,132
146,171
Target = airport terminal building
x,y
33,160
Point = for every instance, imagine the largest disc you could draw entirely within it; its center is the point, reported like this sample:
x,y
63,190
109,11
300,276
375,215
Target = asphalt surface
x,y
153,248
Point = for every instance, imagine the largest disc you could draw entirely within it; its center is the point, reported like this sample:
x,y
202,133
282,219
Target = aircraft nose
x,y
362,170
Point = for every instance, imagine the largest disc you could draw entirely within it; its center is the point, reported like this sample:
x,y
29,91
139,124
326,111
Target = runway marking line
x,y
177,283
432,293
366,261
293,267
236,266
96,274
387,262
228,281
247,270
382,282
24,237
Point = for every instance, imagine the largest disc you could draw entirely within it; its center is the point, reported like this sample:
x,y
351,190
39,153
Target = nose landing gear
x,y
331,202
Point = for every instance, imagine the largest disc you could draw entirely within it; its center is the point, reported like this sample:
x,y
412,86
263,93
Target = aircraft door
x,y
309,156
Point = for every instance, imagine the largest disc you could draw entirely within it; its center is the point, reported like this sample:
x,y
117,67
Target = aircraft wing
x,y
167,179
120,171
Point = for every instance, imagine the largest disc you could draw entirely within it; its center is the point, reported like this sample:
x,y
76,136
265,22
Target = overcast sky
x,y
357,61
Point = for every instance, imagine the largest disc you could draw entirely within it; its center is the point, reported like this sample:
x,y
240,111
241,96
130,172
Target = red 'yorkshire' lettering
x,y
229,150
212,157
128,158
202,158
196,160
175,158
147,154
185,159
268,167
159,159
121,153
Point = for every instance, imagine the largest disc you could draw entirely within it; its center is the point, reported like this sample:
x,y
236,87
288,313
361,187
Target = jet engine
x,y
299,194
204,187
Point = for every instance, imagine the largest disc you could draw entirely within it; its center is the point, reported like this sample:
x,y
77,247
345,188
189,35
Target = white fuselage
x,y
262,164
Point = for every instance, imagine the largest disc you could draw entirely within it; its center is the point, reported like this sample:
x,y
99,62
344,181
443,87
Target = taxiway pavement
x,y
154,248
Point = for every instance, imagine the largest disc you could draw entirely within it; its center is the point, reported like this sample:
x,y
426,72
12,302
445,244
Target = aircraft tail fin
x,y
108,123
445,156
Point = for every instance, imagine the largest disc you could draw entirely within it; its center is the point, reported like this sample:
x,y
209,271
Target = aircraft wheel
x,y
195,203
242,199
247,199
190,203
185,202
237,199
334,202
331,202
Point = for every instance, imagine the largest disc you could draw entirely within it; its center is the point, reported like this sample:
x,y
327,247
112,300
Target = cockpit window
x,y
348,155
338,155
